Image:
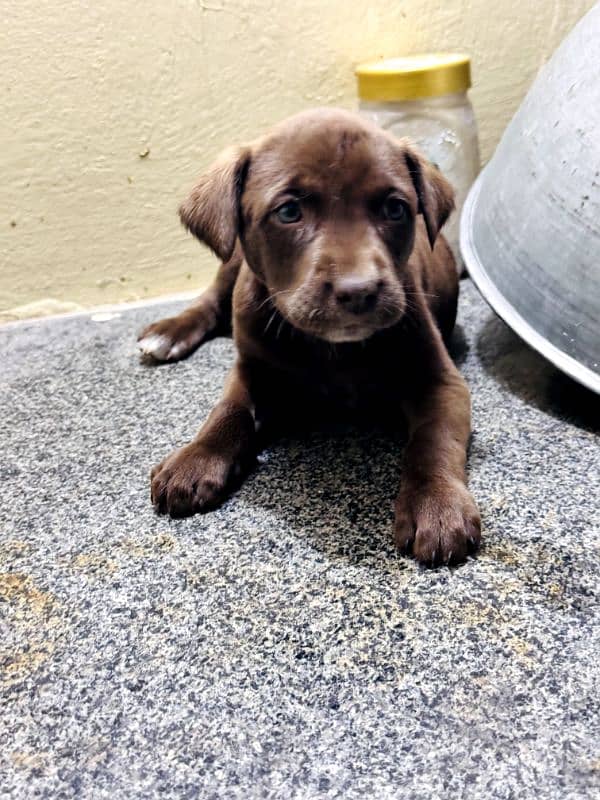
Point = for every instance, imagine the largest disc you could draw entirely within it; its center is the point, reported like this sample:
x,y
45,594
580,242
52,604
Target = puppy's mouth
x,y
349,333
336,330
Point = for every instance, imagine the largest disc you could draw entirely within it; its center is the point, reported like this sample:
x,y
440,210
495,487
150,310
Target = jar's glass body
x,y
445,130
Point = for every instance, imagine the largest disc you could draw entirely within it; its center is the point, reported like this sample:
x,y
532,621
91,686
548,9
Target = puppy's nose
x,y
357,295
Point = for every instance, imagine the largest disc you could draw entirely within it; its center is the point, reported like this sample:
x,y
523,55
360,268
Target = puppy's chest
x,y
351,391
344,378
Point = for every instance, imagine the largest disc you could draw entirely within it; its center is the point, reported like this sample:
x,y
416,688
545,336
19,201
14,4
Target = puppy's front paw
x,y
174,338
194,478
438,522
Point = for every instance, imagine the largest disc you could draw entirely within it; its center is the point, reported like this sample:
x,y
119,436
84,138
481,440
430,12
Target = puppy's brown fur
x,y
340,290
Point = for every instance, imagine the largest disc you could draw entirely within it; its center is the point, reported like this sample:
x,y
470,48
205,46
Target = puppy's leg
x,y
436,516
202,474
174,338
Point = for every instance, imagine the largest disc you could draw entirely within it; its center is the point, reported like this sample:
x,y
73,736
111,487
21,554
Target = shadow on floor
x,y
335,488
526,374
458,346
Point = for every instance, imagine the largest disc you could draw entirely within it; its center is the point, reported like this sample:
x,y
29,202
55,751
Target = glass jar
x,y
425,98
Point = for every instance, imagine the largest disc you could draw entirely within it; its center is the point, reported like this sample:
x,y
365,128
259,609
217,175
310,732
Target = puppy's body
x,y
340,293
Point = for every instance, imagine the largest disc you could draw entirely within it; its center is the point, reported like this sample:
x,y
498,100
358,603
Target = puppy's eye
x,y
289,212
394,209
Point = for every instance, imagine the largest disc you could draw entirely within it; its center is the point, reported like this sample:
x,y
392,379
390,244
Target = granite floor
x,y
280,647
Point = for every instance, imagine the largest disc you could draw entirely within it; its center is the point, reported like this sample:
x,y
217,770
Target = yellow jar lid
x,y
412,77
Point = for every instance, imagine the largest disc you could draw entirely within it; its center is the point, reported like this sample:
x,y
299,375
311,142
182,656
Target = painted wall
x,y
110,109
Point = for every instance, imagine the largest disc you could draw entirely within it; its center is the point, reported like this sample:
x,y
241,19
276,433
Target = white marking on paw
x,y
178,350
156,345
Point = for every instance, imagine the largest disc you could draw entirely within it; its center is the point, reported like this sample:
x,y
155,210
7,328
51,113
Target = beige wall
x,y
110,109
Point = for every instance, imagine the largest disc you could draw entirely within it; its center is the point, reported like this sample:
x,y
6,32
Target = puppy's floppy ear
x,y
211,212
435,194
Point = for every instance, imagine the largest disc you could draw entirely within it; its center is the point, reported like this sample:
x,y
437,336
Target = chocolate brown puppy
x,y
339,289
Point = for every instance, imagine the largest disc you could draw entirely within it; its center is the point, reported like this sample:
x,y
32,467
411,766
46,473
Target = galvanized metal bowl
x,y
530,228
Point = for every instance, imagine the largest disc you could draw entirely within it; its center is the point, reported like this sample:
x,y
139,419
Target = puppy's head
x,y
325,207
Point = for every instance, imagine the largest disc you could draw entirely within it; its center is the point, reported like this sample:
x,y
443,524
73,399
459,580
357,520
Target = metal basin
x,y
530,228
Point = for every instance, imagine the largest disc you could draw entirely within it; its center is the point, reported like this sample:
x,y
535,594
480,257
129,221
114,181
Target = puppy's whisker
x,y
420,294
271,318
272,296
264,302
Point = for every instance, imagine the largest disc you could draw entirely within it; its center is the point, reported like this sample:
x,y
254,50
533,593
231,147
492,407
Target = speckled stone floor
x,y
280,647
